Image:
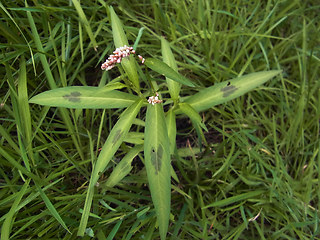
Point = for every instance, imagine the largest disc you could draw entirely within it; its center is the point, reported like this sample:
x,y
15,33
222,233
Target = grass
x,y
256,177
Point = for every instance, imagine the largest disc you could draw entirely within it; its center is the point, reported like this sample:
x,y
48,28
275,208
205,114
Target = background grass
x,y
256,178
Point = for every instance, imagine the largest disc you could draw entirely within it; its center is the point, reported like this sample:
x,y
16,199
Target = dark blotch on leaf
x,y
228,90
73,97
159,155
156,157
116,137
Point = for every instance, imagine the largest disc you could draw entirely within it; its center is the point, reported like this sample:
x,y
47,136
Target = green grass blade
x,y
114,140
157,161
23,102
84,20
39,46
168,58
180,221
228,90
123,168
114,230
120,39
24,110
18,111
84,97
17,165
6,136
31,197
46,67
234,199
163,68
21,32
51,208
8,222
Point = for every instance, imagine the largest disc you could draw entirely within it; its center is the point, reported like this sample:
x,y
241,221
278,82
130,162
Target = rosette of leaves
x,y
160,126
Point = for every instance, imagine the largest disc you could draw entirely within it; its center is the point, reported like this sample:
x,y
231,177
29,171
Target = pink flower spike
x,y
116,57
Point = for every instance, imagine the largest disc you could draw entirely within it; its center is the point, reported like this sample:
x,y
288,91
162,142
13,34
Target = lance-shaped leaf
x,y
192,114
195,119
123,167
157,161
84,97
172,129
227,90
168,58
114,140
163,68
120,39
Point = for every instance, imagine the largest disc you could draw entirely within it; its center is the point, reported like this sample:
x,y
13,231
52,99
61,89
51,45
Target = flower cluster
x,y
154,99
117,56
141,59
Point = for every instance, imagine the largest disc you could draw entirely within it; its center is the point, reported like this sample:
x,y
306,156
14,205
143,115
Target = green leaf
x,y
123,168
162,68
84,97
228,90
114,140
157,161
135,45
168,58
135,138
195,119
172,129
192,114
120,39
